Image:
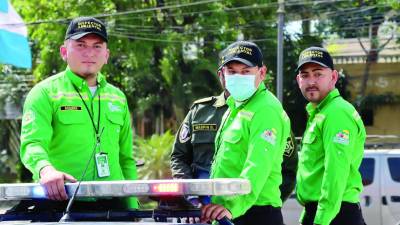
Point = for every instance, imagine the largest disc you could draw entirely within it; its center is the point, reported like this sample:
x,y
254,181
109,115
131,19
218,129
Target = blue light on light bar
x,y
38,192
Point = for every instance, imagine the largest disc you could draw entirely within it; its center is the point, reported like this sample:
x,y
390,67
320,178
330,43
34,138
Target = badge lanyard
x,y
103,169
96,129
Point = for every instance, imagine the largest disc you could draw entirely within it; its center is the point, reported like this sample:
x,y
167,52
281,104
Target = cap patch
x,y
242,51
315,55
89,24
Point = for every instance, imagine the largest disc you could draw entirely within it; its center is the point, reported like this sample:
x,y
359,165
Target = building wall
x,y
386,121
384,78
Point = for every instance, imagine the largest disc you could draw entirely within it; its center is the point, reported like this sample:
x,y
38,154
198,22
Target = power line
x,y
261,40
258,23
137,11
120,13
225,10
334,14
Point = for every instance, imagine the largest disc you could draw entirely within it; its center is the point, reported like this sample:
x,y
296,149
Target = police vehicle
x,y
172,206
380,199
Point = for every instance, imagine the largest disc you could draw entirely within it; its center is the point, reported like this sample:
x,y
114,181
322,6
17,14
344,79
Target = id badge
x,y
103,170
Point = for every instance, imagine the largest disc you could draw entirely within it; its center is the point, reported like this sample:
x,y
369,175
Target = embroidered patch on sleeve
x,y
289,148
28,117
269,135
343,137
184,134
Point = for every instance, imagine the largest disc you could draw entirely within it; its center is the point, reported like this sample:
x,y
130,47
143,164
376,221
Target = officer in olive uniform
x,y
193,149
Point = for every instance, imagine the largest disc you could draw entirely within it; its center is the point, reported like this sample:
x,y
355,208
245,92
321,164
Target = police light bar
x,y
133,188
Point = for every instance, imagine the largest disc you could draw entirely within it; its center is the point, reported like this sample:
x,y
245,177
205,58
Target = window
x,y
394,168
367,169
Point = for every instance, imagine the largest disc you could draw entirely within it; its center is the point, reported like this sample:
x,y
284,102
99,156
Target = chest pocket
x,y
309,138
309,149
113,128
70,117
203,137
232,137
115,118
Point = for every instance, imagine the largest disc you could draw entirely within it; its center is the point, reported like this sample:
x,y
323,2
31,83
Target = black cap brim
x,y
311,61
244,61
78,36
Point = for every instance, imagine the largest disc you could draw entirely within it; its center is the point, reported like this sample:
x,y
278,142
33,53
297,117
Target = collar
x,y
220,100
80,82
328,98
232,104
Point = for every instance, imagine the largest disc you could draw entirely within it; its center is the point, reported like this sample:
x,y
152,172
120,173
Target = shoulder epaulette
x,y
203,100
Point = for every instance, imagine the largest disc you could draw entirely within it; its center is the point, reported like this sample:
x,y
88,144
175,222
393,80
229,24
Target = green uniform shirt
x,y
57,129
331,154
250,145
193,148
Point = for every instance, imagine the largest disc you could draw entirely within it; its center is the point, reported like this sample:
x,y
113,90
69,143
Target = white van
x,y
380,200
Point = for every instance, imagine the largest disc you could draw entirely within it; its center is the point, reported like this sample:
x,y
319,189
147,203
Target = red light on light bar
x,y
166,188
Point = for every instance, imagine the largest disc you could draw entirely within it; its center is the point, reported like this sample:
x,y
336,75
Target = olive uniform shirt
x,y
331,153
194,143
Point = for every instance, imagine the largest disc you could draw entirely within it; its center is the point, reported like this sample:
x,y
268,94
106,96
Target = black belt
x,y
264,208
312,206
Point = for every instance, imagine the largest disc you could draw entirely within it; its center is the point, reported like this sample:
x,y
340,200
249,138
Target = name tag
x,y
63,108
204,127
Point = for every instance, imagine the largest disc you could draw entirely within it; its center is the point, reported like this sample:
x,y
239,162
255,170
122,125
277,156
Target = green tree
x,y
164,54
361,19
155,152
344,19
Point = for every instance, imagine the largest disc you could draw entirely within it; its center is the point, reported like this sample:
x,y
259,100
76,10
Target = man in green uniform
x,y
193,149
75,121
328,179
250,142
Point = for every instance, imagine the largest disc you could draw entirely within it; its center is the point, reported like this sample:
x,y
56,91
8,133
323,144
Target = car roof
x,y
381,152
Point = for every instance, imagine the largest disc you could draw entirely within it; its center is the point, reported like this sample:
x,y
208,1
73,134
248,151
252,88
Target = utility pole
x,y
281,21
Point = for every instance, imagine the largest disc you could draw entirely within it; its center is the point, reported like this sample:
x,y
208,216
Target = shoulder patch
x,y
184,134
342,137
269,136
289,148
28,117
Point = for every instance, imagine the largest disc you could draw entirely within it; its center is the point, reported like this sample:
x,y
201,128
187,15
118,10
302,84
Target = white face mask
x,y
241,87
